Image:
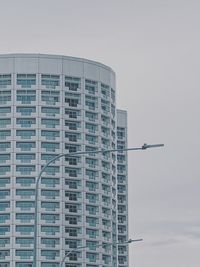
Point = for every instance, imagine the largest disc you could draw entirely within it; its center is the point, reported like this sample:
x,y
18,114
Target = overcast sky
x,y
153,46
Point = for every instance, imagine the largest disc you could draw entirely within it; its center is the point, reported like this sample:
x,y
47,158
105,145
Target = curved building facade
x,y
51,105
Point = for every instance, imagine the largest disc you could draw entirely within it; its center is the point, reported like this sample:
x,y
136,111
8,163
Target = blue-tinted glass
x,y
50,81
25,146
27,111
26,80
5,80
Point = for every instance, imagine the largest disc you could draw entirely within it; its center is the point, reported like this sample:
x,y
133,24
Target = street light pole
x,y
96,246
144,147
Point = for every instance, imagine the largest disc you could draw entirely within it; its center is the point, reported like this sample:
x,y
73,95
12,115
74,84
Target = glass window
x,y
24,254
92,175
5,134
92,221
25,193
72,196
92,163
72,160
4,158
25,229
50,230
91,116
5,111
51,112
50,242
50,135
26,122
25,205
4,230
26,97
26,80
50,182
92,257
91,87
5,97
4,181
26,169
92,233
91,102
4,205
50,218
72,231
50,97
25,181
92,139
72,172
4,146
25,134
26,111
25,146
3,219
72,207
72,125
106,259
4,253
73,184
4,242
72,114
50,206
25,217
72,148
72,137
105,106
50,146
72,243
4,170
25,158
50,194
5,80
92,210
73,83
93,198
5,122
4,193
112,95
50,254
50,81
92,128
24,242
50,123
105,90
92,186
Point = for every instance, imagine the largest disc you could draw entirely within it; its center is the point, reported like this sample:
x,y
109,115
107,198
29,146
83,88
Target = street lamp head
x,y
145,146
134,240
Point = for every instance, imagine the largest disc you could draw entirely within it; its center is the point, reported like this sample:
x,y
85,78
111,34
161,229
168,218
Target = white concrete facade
x,y
50,105
122,188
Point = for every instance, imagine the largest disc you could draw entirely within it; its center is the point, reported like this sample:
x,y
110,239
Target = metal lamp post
x,y
96,246
144,147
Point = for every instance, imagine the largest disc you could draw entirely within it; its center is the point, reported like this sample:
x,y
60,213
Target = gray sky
x,y
153,46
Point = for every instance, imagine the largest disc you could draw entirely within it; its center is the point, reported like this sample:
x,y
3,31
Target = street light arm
x,y
134,240
69,252
96,246
145,146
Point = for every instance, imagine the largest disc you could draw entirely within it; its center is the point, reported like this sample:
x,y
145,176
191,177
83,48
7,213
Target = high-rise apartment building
x,y
51,105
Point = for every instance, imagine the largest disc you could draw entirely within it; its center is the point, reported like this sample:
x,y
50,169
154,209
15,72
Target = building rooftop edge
x,y
121,110
38,55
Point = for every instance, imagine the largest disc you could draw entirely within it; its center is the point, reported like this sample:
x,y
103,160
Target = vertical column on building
x,y
122,188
